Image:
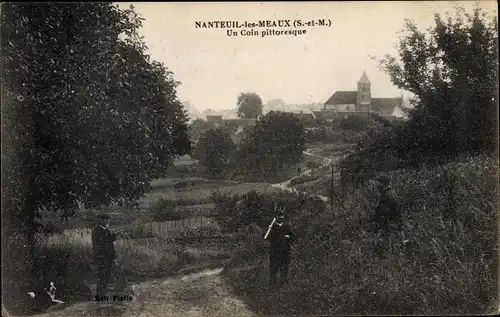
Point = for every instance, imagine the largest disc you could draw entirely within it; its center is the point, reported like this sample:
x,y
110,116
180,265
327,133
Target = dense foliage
x,y
216,151
452,70
86,115
277,139
249,105
252,208
197,128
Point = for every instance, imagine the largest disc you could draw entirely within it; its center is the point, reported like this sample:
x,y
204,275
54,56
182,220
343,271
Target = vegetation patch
x,y
446,263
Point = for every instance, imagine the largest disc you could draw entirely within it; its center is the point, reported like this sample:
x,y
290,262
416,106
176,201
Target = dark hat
x,y
384,179
103,217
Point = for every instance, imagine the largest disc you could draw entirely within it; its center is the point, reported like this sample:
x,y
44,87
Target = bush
x,y
165,210
341,266
208,228
253,208
215,151
312,165
356,123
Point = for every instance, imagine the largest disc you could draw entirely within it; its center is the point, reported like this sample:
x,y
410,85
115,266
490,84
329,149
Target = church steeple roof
x,y
364,79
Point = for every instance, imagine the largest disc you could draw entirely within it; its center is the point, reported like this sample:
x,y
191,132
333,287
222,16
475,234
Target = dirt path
x,y
284,185
198,294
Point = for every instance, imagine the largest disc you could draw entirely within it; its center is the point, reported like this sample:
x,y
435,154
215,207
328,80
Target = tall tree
x,y
452,69
197,128
249,105
86,116
215,151
277,139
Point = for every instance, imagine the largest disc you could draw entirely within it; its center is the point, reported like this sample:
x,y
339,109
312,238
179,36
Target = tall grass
x,y
341,265
67,260
77,244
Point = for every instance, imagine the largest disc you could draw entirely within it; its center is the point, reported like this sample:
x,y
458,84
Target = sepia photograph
x,y
182,159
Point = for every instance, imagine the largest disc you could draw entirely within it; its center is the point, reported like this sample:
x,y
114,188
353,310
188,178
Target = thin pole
x,y
331,192
342,182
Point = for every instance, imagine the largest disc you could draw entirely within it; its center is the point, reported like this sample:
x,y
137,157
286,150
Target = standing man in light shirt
x,y
280,238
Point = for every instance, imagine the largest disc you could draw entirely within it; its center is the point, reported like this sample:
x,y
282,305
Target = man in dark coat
x,y
387,211
104,254
280,237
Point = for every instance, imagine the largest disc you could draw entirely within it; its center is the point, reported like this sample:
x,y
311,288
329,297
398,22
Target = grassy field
x,y
201,194
191,195
446,263
67,259
330,150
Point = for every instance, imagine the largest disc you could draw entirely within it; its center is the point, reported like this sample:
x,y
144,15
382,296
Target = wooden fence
x,y
200,226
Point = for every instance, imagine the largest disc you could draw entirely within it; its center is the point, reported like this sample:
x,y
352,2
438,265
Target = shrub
x,y
227,207
205,228
312,165
164,210
356,123
253,208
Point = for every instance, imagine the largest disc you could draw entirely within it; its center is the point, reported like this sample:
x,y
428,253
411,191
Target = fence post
x,y
332,189
342,183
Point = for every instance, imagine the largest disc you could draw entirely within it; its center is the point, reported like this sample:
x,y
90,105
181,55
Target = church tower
x,y
363,97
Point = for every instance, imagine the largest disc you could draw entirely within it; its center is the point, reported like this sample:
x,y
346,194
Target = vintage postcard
x,y
249,158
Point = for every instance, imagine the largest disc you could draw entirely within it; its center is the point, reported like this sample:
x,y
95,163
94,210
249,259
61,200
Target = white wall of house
x,y
398,113
341,108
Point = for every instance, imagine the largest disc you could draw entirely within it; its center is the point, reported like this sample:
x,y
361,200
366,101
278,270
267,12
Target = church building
x,y
361,100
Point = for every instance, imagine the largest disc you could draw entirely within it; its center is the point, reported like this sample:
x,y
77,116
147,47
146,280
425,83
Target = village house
x,y
308,119
236,125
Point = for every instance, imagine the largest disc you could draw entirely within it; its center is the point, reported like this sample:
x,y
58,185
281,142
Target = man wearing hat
x,y
387,212
280,237
104,253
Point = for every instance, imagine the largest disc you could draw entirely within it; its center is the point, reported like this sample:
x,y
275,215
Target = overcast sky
x,y
214,68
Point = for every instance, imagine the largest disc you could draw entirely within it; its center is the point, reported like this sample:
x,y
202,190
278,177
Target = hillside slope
x,y
446,262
